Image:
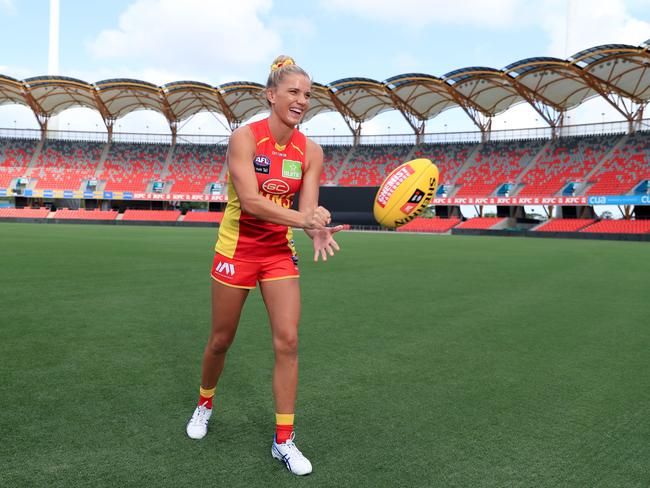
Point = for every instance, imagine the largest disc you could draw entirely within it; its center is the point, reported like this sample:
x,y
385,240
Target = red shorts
x,y
245,274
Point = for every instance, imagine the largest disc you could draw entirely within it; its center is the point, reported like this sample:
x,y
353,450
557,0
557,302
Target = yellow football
x,y
406,192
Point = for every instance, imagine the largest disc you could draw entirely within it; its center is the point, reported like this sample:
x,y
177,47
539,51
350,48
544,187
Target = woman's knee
x,y
219,344
286,344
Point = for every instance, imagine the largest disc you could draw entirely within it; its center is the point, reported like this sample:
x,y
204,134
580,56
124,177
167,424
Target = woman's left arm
x,y
324,242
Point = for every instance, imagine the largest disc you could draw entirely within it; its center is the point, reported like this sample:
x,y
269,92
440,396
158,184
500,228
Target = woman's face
x,y
290,99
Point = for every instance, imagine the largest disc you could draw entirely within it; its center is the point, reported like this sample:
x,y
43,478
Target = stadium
x,y
567,170
457,350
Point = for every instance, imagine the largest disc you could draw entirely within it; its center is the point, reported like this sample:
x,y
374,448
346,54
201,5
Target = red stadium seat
x,y
24,213
566,160
195,166
15,155
436,224
495,164
203,217
620,227
564,225
64,165
152,215
82,214
480,223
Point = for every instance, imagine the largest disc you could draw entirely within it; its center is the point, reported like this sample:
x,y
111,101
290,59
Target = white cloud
x,y
196,37
418,13
576,25
7,5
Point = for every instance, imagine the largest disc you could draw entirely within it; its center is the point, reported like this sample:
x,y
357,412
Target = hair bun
x,y
280,62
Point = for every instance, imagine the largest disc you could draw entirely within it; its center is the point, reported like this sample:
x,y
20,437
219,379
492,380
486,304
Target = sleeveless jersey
x,y
279,172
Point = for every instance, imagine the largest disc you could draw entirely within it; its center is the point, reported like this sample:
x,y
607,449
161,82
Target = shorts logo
x,y
262,164
291,169
227,269
275,187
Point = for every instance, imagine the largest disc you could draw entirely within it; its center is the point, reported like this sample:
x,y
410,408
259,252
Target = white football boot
x,y
197,427
289,454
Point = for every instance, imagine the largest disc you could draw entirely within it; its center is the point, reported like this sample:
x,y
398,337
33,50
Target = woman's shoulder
x,y
242,135
313,147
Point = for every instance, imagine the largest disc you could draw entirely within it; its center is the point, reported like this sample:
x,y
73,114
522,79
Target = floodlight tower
x,y
53,50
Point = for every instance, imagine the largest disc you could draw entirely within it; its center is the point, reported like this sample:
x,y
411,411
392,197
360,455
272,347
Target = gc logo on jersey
x,y
262,164
275,187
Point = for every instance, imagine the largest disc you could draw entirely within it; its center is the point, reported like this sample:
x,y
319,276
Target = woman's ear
x,y
270,95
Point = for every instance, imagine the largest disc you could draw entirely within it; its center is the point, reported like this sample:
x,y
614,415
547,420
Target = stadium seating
x,y
566,160
448,157
15,155
203,217
63,165
628,166
436,224
24,213
195,166
620,227
333,158
480,223
369,165
152,215
495,164
131,167
82,214
564,225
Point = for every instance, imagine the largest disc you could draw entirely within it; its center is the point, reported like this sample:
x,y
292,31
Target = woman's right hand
x,y
317,218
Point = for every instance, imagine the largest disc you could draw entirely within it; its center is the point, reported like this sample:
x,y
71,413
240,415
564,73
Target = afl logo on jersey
x,y
275,187
262,164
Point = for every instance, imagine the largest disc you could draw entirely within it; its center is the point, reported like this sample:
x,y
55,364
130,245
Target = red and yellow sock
x,y
206,396
283,427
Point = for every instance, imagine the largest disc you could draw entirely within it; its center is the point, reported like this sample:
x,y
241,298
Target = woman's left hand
x,y
324,243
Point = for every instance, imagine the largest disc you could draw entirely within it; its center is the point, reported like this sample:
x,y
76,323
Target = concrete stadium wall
x,y
561,235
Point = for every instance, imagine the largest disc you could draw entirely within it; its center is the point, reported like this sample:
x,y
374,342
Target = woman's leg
x,y
282,300
227,304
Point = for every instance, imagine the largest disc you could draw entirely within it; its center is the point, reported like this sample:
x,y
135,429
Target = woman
x,y
268,162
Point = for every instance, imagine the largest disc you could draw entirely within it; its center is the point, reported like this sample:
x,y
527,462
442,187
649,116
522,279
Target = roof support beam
x,y
41,117
481,120
348,117
552,114
109,120
233,123
414,119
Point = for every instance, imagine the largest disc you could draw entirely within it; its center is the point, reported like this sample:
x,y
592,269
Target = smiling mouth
x,y
297,112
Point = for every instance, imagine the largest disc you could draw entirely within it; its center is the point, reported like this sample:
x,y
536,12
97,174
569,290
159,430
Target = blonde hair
x,y
282,66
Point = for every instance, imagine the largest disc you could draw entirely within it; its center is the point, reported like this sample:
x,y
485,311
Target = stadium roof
x,y
618,73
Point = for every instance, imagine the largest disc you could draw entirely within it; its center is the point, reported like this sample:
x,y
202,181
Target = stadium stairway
x,y
517,185
100,166
164,174
606,157
344,164
34,162
466,164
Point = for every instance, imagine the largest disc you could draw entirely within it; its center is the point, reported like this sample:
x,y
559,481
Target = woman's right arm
x,y
241,151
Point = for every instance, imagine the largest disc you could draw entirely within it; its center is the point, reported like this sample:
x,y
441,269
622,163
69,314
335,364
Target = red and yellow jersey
x,y
279,172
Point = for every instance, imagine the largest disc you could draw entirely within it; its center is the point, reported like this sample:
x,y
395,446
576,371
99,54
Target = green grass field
x,y
432,361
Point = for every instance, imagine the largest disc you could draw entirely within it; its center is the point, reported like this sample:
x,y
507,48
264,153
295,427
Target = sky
x,y
216,41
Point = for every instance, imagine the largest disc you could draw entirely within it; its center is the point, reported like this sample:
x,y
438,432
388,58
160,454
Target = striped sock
x,y
283,427
206,396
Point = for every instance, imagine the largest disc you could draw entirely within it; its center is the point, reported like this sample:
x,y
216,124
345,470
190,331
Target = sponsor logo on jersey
x,y
291,169
225,269
262,164
275,186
